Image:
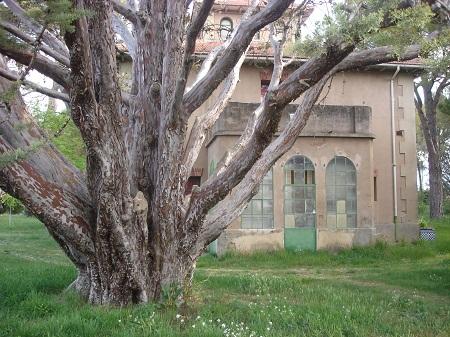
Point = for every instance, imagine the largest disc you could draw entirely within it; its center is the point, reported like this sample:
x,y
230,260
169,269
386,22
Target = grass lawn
x,y
401,290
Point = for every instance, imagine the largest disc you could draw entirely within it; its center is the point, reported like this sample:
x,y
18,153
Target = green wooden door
x,y
299,204
300,239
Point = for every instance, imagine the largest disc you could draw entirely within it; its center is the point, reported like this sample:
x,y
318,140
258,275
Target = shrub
x,y
447,206
11,203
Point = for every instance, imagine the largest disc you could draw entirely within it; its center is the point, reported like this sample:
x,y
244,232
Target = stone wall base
x,y
247,241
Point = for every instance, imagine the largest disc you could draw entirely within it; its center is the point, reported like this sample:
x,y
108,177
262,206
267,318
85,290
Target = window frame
x,y
228,29
303,185
252,215
334,188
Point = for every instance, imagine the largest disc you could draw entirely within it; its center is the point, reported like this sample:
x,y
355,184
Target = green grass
x,y
399,290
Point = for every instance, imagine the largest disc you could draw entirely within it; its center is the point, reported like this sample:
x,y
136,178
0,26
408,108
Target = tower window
x,y
226,28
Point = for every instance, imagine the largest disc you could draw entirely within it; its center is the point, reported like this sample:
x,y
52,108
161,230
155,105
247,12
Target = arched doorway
x,y
299,204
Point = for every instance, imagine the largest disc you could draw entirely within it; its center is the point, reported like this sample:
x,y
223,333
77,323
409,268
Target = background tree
x,y
444,137
126,223
429,92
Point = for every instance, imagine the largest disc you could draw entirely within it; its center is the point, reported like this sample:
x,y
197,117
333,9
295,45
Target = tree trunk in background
x,y
436,197
420,173
427,110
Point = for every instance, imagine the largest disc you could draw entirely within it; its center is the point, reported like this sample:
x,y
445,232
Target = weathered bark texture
x,y
126,223
427,110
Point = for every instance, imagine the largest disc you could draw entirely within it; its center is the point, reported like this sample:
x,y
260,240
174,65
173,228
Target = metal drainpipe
x,y
394,159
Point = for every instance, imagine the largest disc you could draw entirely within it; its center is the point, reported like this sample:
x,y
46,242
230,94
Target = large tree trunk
x,y
427,110
126,223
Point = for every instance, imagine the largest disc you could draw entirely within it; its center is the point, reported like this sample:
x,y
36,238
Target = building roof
x,y
263,51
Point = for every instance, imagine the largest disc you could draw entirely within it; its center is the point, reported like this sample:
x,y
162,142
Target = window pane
x,y
340,163
299,177
351,220
267,192
310,220
331,206
299,162
299,206
261,205
341,193
258,195
257,207
267,222
351,206
288,209
246,222
309,165
288,192
330,176
341,178
351,192
351,178
331,221
299,192
330,193
300,220
300,198
267,207
309,191
310,206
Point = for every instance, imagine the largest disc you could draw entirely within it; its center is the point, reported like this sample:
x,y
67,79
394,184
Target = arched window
x,y
341,193
259,212
226,27
299,193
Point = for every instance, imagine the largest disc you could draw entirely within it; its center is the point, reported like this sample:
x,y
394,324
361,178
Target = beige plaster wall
x,y
371,157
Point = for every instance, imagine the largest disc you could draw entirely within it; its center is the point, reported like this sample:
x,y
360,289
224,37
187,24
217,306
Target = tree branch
x,y
43,65
278,67
230,56
127,12
121,28
19,33
36,28
206,120
217,187
36,87
47,184
232,206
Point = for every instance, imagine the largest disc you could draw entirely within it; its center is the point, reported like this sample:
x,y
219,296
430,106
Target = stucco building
x,y
349,179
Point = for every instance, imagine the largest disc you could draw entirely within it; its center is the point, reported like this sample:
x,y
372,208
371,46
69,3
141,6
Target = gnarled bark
x,y
127,225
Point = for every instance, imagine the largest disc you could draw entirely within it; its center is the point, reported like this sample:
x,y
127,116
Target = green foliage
x,y
10,157
57,13
444,107
11,203
69,141
9,94
409,27
171,295
358,22
423,223
447,206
